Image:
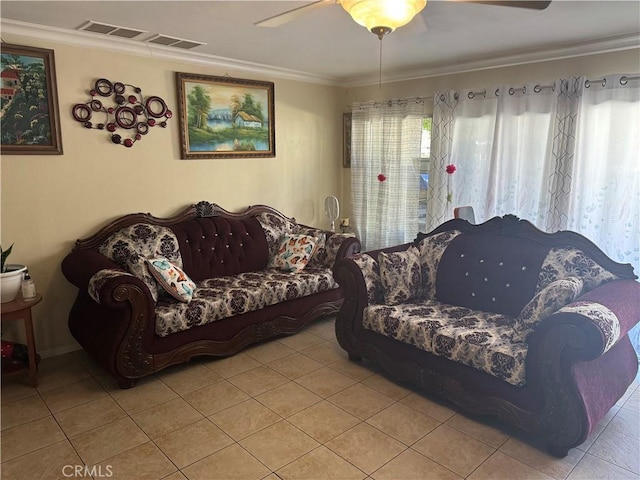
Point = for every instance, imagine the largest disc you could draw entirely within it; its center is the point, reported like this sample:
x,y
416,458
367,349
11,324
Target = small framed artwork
x,y
224,117
30,123
346,140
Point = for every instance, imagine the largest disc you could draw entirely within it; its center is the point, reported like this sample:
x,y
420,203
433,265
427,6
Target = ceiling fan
x,y
384,16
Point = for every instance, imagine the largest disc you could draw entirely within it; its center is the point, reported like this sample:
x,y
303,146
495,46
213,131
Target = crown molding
x,y
580,49
136,47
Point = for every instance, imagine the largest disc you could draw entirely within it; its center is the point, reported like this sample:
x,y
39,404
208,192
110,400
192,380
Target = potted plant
x,y
10,276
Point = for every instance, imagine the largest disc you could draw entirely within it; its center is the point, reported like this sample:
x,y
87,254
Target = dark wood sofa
x,y
575,360
132,330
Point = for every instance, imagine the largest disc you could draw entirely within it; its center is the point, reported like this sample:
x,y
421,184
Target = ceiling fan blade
x,y
533,4
290,15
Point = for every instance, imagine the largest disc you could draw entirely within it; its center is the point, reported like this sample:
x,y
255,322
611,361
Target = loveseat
x,y
154,292
500,319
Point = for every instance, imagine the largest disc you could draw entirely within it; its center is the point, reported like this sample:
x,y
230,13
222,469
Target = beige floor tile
x,y
167,417
52,376
186,378
454,450
109,440
403,423
410,465
192,443
175,476
232,463
325,328
325,353
356,370
16,389
533,454
325,382
633,403
269,351
89,415
432,408
279,444
300,341
145,462
617,448
387,387
45,463
320,463
593,468
216,397
259,380
294,366
29,437
480,429
627,422
288,399
244,419
23,411
500,466
366,447
323,421
231,366
72,395
148,393
360,401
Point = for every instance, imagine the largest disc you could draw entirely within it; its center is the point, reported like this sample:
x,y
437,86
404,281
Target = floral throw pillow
x,y
294,252
171,278
401,275
547,301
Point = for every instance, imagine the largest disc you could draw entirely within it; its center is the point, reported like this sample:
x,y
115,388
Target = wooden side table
x,y
18,309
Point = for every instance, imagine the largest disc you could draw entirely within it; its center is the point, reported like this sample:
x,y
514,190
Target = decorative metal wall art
x,y
130,111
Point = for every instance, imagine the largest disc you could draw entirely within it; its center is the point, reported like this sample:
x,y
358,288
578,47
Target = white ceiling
x,y
325,43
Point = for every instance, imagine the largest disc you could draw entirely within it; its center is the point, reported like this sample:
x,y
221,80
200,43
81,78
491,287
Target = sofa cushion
x,y
401,275
490,272
481,340
571,262
225,297
274,228
320,237
129,247
547,301
371,274
171,278
431,250
294,252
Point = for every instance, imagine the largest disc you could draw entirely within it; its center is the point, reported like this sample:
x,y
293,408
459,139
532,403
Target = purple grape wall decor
x,y
130,111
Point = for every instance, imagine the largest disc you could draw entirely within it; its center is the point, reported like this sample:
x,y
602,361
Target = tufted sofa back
x,y
220,246
490,272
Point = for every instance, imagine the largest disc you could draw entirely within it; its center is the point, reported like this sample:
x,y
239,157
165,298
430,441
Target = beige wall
x,y
593,66
49,201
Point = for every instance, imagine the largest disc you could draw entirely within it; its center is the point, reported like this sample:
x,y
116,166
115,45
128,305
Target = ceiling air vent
x,y
174,42
113,30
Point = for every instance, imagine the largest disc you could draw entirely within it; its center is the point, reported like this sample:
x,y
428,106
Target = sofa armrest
x,y
595,321
99,277
338,246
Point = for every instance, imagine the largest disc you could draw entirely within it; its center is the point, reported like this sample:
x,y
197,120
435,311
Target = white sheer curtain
x,y
385,171
564,156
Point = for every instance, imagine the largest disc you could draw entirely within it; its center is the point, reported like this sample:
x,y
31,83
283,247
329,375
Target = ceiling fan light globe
x,y
388,14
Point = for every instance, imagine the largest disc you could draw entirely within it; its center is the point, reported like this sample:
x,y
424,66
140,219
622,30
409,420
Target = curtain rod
x,y
603,81
391,102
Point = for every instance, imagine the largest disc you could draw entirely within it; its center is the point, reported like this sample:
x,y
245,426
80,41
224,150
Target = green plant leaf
x,y
3,257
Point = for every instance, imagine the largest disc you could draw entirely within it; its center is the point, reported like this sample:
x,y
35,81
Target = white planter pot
x,y
10,282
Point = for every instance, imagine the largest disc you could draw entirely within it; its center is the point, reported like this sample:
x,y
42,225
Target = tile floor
x,y
294,408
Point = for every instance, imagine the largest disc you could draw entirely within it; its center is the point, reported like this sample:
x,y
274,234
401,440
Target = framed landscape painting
x,y
224,117
30,122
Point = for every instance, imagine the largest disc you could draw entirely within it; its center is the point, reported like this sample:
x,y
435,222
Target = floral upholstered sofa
x,y
154,292
501,319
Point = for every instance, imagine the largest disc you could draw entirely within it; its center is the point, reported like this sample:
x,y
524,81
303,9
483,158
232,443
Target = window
x,y
425,157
